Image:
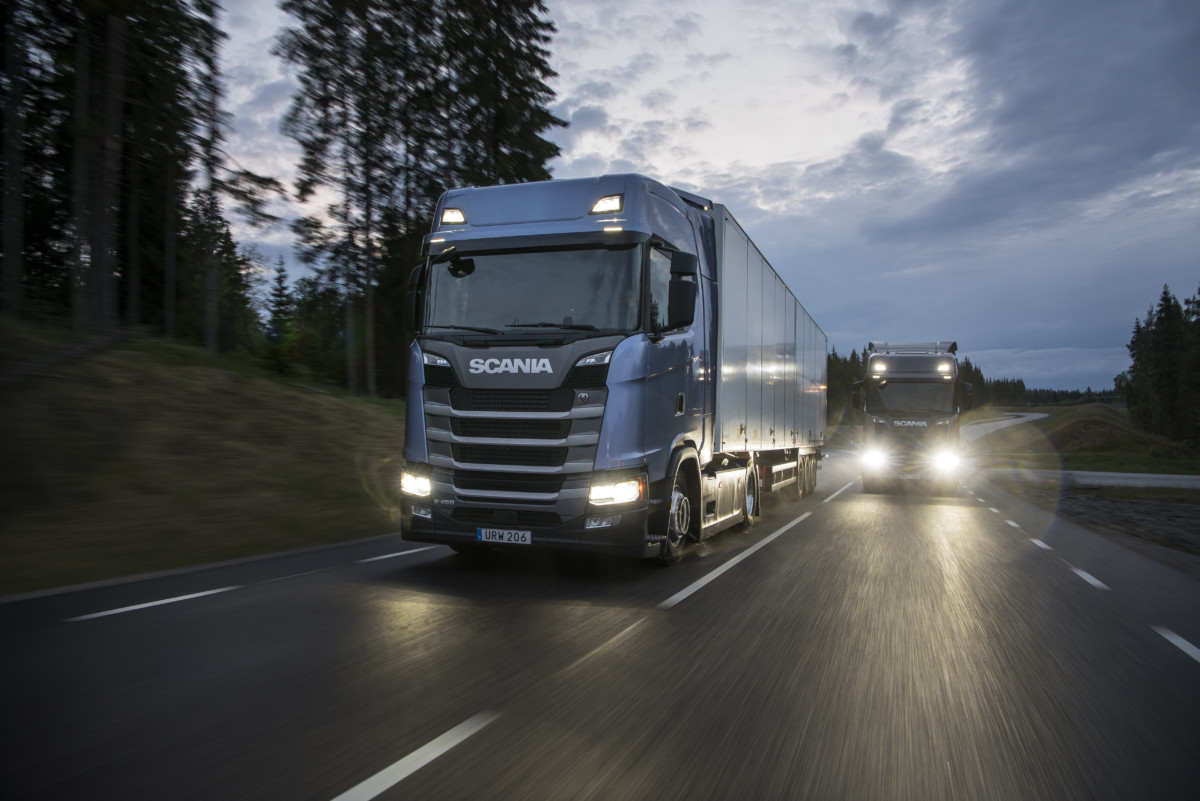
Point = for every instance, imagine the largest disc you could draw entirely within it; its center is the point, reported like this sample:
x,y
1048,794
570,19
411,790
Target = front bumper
x,y
626,534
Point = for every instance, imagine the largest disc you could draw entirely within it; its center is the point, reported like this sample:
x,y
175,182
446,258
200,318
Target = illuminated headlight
x,y
946,461
435,360
413,484
595,360
453,217
628,491
607,205
874,458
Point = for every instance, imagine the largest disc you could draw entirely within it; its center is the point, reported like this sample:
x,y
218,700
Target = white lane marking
x,y
1041,544
993,509
1179,642
296,575
394,774
839,492
147,605
613,640
1011,523
1088,577
399,553
981,500
696,585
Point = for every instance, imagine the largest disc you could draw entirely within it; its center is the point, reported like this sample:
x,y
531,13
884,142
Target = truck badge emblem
x,y
583,397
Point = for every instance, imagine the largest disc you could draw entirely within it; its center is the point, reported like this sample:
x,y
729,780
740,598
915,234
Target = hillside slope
x,y
150,456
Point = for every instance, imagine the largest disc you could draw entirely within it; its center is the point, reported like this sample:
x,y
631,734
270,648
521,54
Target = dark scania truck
x,y
911,400
605,365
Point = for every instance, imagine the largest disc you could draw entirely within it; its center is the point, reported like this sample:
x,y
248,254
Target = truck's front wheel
x,y
679,518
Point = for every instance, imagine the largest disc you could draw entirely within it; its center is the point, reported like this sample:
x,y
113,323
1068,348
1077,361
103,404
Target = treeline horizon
x,y
119,195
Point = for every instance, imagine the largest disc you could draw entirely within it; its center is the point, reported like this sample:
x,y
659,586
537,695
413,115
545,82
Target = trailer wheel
x,y
750,499
812,475
802,490
679,519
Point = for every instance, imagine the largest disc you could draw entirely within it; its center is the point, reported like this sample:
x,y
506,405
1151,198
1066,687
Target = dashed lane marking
x,y
839,492
1041,544
391,776
148,605
696,585
1179,642
1088,577
1013,524
993,509
398,553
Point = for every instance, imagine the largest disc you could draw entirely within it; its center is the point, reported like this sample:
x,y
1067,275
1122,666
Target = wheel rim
x,y
751,493
681,517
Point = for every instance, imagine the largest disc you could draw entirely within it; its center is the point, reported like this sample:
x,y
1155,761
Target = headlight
x,y
874,458
413,484
946,461
628,491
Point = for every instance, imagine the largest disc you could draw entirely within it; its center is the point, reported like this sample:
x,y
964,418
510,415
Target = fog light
x,y
422,511
602,522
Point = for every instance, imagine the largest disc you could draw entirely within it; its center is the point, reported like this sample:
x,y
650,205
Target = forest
x,y
1162,385
119,192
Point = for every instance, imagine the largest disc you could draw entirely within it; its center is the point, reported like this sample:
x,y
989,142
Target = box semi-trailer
x,y
911,399
602,364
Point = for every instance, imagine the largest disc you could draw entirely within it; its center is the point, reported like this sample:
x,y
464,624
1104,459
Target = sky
x,y
1021,176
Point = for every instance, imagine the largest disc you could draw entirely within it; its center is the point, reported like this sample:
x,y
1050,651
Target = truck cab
x,y
911,400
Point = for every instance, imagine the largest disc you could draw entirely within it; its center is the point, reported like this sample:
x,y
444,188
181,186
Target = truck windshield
x,y
911,396
576,289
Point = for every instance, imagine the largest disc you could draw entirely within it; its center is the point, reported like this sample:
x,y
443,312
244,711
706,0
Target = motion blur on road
x,y
851,646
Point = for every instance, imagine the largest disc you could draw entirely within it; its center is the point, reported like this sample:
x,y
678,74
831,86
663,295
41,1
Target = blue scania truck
x,y
602,364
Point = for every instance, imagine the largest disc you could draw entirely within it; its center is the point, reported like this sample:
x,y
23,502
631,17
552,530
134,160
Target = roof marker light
x,y
607,205
453,217
612,228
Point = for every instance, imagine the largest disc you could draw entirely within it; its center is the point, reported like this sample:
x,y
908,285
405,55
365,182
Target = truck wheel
x,y
679,519
802,478
870,485
812,474
750,499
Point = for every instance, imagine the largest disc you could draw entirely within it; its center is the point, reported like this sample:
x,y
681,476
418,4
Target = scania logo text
x,y
511,366
906,423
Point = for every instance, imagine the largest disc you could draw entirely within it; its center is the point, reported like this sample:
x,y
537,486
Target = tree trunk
x,y
351,345
14,164
133,314
169,222
82,312
114,102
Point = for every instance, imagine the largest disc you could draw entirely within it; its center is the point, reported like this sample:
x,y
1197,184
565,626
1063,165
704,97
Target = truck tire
x,y
679,518
802,490
750,499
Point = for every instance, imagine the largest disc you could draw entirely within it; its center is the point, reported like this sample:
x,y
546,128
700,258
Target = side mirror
x,y
681,301
968,396
413,305
683,263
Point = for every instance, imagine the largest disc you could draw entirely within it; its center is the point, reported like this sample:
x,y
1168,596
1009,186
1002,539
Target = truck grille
x,y
511,400
440,376
590,377
523,517
510,454
511,429
479,481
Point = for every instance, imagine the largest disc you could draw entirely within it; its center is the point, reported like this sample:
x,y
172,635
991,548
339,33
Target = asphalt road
x,y
848,646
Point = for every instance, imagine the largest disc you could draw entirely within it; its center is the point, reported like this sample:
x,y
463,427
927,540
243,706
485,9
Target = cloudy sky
x,y
1022,176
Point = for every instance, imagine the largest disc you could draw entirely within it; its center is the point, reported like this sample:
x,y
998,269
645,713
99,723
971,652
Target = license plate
x,y
503,535
910,477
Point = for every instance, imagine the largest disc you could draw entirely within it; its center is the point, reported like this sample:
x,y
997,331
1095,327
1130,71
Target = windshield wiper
x,y
465,328
566,326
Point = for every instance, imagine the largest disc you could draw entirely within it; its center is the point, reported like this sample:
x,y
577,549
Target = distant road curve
x,y
974,431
